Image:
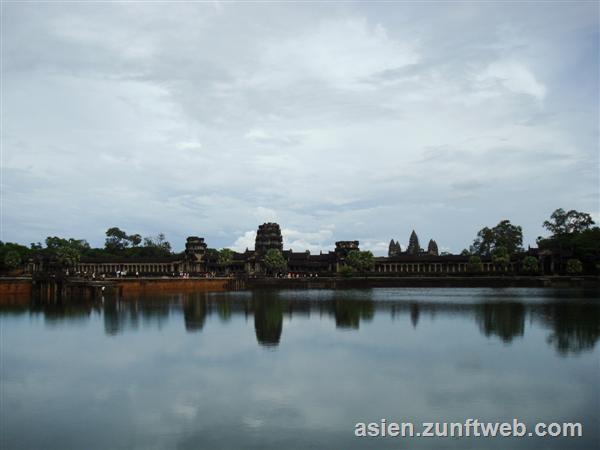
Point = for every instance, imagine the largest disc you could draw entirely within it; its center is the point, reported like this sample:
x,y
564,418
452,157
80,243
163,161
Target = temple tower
x,y
342,248
432,248
268,236
394,249
195,248
413,244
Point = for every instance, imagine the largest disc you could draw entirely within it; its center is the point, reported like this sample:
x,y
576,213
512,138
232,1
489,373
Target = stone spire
x,y
432,248
394,249
413,244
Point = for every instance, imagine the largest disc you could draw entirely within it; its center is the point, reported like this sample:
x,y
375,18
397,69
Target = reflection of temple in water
x,y
574,326
268,319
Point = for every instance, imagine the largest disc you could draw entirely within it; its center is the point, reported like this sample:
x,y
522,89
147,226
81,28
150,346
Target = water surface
x,y
297,369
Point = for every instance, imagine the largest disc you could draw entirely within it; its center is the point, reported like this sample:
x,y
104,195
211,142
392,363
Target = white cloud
x,y
514,76
263,214
313,241
209,121
190,145
341,52
246,241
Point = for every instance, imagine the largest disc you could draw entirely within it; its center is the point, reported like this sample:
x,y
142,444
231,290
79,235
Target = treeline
x,y
573,235
66,252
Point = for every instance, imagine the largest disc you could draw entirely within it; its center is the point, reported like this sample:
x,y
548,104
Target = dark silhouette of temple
x,y
198,260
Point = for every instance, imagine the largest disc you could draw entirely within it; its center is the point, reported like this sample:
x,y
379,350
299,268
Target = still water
x,y
298,369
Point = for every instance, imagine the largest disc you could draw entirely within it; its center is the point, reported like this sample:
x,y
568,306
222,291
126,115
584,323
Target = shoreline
x,y
25,286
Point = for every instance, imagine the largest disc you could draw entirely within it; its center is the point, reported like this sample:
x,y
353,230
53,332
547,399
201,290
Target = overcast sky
x,y
337,120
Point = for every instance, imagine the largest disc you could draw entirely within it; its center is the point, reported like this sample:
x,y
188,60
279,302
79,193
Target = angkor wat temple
x,y
198,260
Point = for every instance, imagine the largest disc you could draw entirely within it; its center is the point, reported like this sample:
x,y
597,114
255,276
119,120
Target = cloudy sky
x,y
337,120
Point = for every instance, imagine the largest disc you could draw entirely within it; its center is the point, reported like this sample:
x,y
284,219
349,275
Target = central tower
x,y
268,236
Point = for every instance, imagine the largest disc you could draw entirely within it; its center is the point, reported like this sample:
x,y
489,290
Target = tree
x,y
504,235
562,222
12,259
346,271
116,239
483,243
573,236
67,255
574,266
501,258
361,261
530,264
225,256
508,236
66,251
474,265
15,250
465,252
161,241
274,261
157,246
135,240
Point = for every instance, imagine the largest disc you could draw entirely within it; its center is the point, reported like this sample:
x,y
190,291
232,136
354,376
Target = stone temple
x,y
199,260
268,236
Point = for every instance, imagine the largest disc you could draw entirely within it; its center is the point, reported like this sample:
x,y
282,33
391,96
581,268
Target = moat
x,y
297,368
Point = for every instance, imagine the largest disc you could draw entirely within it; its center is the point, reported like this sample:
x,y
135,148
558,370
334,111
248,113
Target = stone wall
x,y
171,285
17,286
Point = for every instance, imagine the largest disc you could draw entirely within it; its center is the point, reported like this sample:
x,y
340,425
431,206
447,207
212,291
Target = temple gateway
x,y
198,260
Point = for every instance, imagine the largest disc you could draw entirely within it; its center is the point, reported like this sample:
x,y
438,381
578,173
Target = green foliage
x,y
17,252
274,261
475,265
116,239
501,258
360,261
53,243
159,245
135,240
573,235
465,252
12,259
225,256
68,255
562,222
118,242
346,271
574,266
504,235
530,264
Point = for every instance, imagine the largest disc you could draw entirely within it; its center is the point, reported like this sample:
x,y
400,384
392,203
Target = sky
x,y
338,120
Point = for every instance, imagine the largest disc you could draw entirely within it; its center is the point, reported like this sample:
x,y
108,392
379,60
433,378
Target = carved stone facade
x,y
342,248
413,244
195,249
432,248
268,236
394,249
